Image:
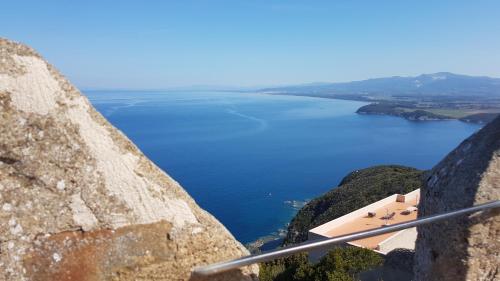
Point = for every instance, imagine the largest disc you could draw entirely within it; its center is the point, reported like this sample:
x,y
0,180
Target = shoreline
x,y
410,113
257,245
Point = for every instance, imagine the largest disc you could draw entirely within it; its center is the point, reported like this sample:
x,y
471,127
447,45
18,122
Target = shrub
x,y
340,264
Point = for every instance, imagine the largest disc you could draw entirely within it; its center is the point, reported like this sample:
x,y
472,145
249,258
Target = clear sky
x,y
161,44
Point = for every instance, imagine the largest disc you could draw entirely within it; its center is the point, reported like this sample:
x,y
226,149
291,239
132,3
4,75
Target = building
x,y
394,209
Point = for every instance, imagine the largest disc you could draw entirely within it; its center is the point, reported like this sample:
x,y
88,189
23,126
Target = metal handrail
x,y
287,251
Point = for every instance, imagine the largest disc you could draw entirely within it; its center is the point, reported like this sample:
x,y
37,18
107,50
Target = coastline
x,y
275,239
403,110
258,245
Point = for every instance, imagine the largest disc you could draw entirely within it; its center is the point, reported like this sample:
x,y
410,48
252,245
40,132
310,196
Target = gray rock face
x,y
466,248
79,201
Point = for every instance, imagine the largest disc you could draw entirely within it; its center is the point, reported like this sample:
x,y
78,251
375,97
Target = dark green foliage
x,y
420,114
379,108
356,190
338,265
402,259
398,109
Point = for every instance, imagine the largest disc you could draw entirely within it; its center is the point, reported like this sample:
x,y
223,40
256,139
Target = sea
x,y
252,160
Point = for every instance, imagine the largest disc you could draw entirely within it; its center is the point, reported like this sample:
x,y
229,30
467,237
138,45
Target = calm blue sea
x,y
242,155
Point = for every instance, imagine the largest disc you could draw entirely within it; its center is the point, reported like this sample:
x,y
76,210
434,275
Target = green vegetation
x,y
356,190
467,112
452,113
408,112
340,264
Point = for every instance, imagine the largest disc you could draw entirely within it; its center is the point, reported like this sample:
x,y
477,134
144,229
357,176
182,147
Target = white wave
x,y
113,109
262,124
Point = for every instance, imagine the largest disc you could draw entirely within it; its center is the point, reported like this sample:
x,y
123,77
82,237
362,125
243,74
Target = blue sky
x,y
162,44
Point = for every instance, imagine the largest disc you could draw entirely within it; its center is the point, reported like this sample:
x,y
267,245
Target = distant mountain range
x,y
436,84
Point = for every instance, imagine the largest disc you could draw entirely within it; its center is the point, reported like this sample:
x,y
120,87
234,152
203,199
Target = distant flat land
x,y
436,96
471,109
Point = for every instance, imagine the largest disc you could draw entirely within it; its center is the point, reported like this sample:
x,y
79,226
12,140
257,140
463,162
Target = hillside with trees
x,y
356,190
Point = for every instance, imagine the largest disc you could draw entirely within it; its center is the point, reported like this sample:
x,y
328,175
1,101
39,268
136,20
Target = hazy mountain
x,y
441,83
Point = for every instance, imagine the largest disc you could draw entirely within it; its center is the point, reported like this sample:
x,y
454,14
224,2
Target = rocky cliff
x,y
466,248
79,201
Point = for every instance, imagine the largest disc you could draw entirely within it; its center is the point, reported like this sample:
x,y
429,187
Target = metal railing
x,y
307,246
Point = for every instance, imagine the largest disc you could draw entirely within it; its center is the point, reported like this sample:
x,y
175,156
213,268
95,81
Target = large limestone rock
x,y
466,248
79,201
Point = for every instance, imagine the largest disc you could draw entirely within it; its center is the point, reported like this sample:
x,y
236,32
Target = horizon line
x,y
260,87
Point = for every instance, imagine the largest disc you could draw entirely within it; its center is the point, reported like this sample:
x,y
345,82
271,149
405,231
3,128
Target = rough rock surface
x,y
466,248
79,201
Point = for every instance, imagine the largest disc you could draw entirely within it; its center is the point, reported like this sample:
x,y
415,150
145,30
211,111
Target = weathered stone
x,y
79,201
466,248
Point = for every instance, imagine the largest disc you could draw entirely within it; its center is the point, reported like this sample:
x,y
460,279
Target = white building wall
x,y
316,254
404,239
